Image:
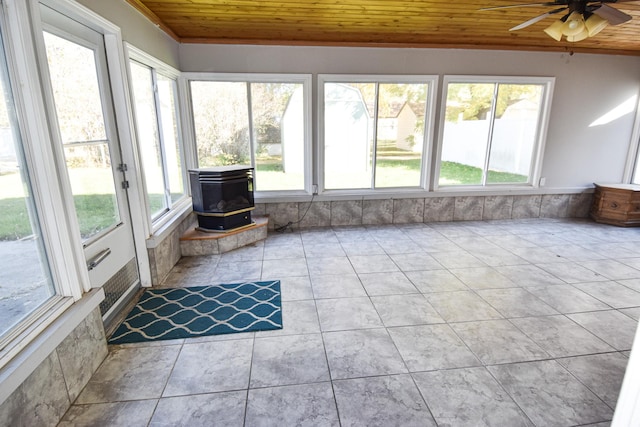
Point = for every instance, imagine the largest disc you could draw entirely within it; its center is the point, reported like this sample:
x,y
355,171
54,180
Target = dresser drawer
x,y
617,204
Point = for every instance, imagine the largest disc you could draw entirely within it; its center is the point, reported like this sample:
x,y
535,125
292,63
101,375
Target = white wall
x,y
136,29
587,86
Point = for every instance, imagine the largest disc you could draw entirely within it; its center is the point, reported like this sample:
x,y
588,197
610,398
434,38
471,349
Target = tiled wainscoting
x,y
166,254
44,397
430,209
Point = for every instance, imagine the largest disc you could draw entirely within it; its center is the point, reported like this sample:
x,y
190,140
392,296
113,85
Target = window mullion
x,y
251,132
492,118
374,148
161,151
635,165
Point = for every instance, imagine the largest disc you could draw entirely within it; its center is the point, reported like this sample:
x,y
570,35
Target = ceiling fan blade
x,y
550,3
536,19
613,15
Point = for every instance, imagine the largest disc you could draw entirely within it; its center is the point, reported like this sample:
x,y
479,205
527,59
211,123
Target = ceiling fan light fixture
x,y
595,24
555,30
578,37
574,24
582,19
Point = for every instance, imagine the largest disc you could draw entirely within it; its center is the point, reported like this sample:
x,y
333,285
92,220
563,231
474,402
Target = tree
x,y
221,117
392,96
76,92
473,101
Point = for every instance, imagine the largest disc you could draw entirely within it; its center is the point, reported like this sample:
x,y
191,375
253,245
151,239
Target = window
x,y
158,129
492,130
375,131
261,121
83,131
25,276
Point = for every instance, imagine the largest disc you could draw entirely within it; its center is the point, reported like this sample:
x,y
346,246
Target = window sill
x,y
405,193
169,223
506,191
37,343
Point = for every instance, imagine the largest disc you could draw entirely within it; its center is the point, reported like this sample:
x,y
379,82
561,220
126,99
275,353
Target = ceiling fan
x,y
584,18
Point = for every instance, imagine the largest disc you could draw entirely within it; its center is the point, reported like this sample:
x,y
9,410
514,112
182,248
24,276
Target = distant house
x,y
398,122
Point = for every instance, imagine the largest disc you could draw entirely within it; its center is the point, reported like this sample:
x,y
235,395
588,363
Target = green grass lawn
x,y
14,221
270,175
95,208
156,202
394,162
96,212
459,174
396,165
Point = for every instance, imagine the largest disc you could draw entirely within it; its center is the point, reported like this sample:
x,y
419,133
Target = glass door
x,y
80,97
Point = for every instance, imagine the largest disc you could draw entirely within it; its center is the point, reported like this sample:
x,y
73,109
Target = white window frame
x,y
541,130
184,203
429,121
632,167
21,20
42,192
304,79
117,76
635,176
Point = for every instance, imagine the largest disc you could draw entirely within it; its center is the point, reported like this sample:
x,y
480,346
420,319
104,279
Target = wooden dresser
x,y
617,204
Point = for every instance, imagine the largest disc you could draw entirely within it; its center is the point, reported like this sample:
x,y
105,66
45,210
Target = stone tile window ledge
x,y
340,195
508,191
16,370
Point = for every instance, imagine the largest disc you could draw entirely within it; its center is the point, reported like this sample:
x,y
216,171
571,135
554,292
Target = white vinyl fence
x,y
512,146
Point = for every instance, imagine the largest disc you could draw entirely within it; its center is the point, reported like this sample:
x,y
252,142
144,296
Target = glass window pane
x,y
220,116
74,80
466,133
148,139
25,278
278,124
89,168
170,136
514,133
400,130
75,88
348,134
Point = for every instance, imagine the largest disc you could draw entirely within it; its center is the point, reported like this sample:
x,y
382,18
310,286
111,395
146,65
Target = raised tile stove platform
x,y
195,242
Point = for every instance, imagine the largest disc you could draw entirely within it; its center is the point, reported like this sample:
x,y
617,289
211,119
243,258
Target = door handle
x,y
93,262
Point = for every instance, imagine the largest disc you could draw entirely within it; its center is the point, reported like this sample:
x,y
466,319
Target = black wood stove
x,y
222,197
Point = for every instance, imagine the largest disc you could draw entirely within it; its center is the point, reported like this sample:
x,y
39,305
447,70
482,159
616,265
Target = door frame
x,y
124,131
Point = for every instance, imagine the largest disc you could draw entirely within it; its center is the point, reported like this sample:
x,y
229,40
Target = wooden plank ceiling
x,y
391,23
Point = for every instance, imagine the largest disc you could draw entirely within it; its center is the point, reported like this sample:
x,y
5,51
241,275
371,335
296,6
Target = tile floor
x,y
501,323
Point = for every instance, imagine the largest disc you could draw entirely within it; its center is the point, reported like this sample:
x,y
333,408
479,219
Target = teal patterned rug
x,y
166,314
